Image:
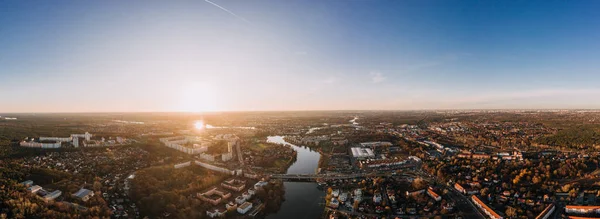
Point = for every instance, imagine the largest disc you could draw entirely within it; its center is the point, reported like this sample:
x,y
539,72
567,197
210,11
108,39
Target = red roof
x,y
488,209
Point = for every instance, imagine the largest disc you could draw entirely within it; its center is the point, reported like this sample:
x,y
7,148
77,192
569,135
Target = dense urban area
x,y
352,164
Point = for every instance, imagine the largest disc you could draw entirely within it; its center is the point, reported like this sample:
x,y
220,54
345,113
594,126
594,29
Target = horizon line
x,y
328,110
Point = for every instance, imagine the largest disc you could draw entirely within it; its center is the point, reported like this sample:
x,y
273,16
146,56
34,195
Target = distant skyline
x,y
271,55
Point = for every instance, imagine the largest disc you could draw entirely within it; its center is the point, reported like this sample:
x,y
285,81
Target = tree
x,y
511,212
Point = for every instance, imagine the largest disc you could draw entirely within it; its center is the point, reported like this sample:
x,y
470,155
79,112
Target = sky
x,y
254,55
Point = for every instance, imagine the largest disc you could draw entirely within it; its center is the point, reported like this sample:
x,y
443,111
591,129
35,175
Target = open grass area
x,y
258,147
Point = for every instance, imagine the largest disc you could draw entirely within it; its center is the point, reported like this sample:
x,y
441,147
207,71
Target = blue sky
x,y
79,56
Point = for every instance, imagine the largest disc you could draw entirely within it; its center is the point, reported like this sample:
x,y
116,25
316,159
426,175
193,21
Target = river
x,y
302,199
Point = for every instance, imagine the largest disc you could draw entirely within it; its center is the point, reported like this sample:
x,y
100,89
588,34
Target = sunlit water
x,y
302,199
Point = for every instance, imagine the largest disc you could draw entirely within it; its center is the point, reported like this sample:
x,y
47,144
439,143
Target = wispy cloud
x,y
376,77
228,11
330,80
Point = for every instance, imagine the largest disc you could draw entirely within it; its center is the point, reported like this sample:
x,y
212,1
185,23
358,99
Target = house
x,y
84,194
377,198
434,195
245,207
459,188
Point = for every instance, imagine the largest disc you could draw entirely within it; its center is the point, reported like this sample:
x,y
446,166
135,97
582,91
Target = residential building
x,y
578,209
214,196
487,210
434,195
245,207
234,184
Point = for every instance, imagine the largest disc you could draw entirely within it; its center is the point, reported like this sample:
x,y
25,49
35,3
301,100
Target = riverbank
x,y
302,199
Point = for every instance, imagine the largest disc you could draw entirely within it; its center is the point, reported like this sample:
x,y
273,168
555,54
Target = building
x,y
485,209
76,142
182,165
260,184
52,195
245,207
460,188
214,196
240,200
231,206
32,144
578,209
67,139
34,189
234,184
218,169
376,144
334,203
216,213
414,193
246,195
385,163
27,183
434,195
179,143
546,212
229,155
84,194
377,197
87,136
362,153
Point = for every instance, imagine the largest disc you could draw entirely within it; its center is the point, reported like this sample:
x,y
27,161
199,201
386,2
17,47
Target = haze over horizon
x,y
268,55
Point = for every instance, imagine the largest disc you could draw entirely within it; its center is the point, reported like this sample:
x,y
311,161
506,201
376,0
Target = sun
x,y
199,97
199,125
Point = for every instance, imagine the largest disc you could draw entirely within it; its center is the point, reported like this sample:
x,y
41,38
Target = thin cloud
x,y
377,77
330,80
228,11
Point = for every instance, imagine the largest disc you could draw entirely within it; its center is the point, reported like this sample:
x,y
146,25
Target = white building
x,y
178,143
87,136
216,168
34,188
242,209
84,194
32,144
67,139
52,195
362,152
181,165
